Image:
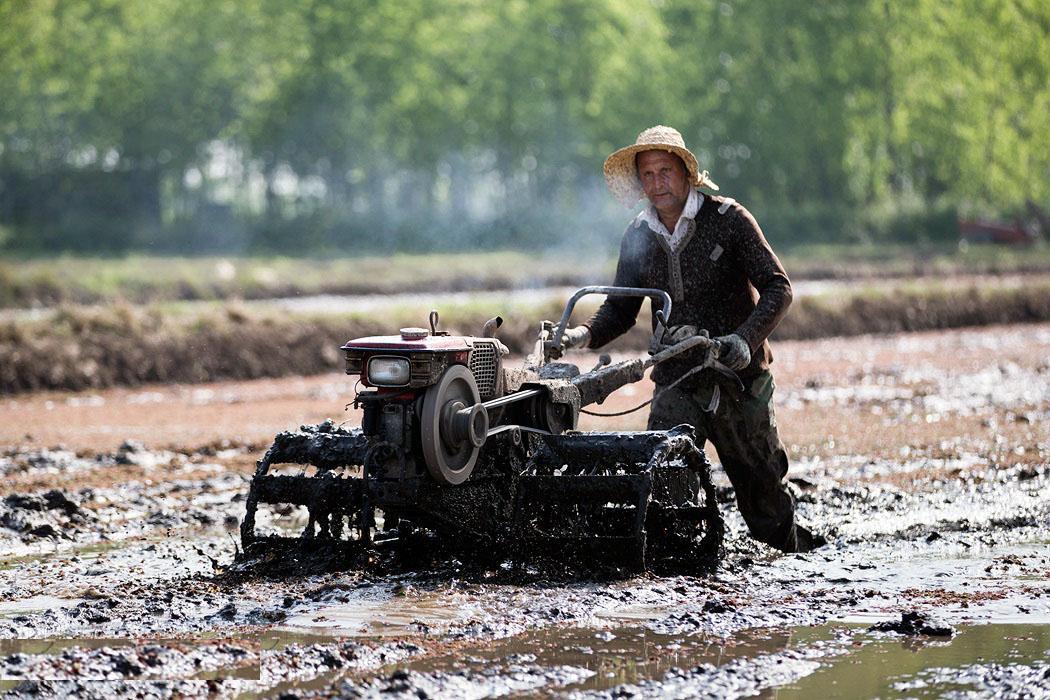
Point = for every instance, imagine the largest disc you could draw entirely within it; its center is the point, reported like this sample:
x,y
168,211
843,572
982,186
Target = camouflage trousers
x,y
743,430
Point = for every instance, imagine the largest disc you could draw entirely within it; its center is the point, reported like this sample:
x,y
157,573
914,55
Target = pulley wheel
x,y
450,454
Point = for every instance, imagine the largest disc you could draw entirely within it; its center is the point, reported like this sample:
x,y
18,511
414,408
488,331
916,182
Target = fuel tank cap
x,y
414,333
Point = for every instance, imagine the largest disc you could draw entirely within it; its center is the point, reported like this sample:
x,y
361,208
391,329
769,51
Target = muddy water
x,y
610,658
821,661
385,611
988,660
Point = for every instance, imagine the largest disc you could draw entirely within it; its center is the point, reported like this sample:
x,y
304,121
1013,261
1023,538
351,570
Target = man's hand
x,y
577,337
734,354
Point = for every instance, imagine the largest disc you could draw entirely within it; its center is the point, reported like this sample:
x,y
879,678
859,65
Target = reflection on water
x,y
621,655
388,617
57,646
864,665
14,608
890,667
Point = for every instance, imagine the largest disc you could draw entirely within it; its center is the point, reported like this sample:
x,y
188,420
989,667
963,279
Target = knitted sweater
x,y
724,278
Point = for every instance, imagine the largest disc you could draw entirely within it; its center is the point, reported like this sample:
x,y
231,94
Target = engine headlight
x,y
388,371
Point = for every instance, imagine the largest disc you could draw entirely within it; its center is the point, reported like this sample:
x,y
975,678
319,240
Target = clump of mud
x,y
52,514
914,622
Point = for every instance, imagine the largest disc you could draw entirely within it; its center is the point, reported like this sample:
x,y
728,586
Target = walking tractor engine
x,y
487,460
426,389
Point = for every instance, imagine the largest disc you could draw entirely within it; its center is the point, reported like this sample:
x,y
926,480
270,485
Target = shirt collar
x,y
649,216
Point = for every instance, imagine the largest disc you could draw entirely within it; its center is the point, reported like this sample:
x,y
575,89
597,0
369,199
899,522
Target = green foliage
x,y
348,126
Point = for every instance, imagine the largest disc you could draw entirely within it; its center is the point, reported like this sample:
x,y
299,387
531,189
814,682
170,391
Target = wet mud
x,y
925,462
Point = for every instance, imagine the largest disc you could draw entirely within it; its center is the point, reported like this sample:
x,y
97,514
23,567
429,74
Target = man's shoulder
x,y
639,227
642,221
717,205
638,239
726,213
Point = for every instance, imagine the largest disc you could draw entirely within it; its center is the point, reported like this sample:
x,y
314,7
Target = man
x,y
709,254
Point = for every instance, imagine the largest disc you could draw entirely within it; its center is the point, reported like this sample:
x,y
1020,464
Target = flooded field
x,y
925,459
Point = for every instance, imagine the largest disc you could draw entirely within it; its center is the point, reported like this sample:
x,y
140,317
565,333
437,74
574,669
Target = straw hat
x,y
621,175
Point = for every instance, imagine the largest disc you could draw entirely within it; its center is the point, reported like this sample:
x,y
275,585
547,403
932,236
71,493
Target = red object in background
x,y
981,231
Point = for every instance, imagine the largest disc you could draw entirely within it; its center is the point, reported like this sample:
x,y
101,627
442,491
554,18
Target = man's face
x,y
665,180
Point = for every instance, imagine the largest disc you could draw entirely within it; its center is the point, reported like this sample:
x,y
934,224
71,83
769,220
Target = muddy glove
x,y
734,354
577,337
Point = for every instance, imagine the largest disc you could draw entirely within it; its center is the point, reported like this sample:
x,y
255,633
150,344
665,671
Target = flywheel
x,y
453,426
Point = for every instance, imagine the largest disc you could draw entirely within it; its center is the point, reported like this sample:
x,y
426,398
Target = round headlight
x,y
388,371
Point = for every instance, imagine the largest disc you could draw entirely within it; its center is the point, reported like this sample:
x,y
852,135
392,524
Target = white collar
x,y
649,217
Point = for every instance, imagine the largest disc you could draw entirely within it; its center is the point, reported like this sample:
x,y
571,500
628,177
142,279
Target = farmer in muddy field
x,y
709,254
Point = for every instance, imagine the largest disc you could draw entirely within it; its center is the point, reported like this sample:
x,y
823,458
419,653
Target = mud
x,y
915,623
924,458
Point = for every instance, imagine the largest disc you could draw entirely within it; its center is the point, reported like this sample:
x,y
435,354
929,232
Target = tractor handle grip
x,y
662,314
595,386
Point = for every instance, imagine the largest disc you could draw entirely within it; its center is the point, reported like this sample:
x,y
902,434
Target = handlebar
x,y
553,345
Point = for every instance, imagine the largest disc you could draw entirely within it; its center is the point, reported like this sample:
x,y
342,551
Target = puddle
x,y
96,569
384,614
57,646
551,662
892,667
50,552
634,613
618,656
832,660
13,608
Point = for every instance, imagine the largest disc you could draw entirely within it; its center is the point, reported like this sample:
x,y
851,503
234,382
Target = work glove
x,y
734,353
577,337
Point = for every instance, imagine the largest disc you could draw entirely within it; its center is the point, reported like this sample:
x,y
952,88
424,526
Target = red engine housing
x,y
429,354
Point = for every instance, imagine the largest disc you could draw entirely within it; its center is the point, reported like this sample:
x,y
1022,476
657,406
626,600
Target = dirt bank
x,y
79,348
925,457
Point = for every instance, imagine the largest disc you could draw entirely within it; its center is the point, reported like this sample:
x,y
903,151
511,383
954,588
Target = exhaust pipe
x,y
489,329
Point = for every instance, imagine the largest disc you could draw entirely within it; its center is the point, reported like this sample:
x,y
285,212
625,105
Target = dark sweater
x,y
725,279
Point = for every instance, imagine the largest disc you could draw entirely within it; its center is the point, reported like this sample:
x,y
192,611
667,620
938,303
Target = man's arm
x,y
765,272
617,315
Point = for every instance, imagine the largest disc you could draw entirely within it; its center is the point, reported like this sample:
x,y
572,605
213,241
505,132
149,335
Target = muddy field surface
x,y
924,458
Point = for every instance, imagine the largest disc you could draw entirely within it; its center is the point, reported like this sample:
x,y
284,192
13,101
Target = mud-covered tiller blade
x,y
335,495
596,497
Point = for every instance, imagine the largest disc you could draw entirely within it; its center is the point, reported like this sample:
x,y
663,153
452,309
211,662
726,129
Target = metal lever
x,y
662,314
603,361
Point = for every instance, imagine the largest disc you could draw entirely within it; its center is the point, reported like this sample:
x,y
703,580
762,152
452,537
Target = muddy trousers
x,y
743,430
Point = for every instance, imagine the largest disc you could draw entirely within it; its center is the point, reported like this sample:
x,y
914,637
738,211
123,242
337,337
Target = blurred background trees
x,y
342,126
